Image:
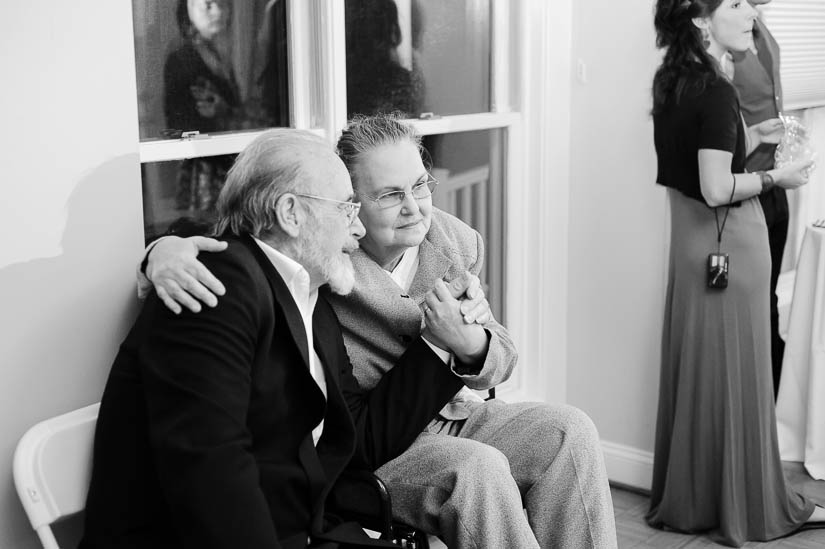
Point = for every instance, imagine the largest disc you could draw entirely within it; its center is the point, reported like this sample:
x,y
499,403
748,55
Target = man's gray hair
x,y
365,133
278,161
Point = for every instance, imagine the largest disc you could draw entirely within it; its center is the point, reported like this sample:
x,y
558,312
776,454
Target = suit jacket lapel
x,y
284,298
307,452
324,326
337,444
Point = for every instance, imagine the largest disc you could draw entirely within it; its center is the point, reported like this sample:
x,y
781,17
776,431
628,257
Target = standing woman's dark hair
x,y
686,59
187,30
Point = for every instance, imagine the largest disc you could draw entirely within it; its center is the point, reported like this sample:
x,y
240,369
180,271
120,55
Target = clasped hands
x,y
453,317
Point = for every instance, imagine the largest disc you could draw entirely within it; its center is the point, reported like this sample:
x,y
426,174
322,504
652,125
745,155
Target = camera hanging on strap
x,y
718,263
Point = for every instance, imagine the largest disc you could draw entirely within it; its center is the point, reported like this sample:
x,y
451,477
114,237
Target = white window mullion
x,y
299,51
331,44
206,145
463,122
210,145
500,75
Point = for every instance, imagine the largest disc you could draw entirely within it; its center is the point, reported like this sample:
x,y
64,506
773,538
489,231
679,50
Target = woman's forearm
x,y
731,188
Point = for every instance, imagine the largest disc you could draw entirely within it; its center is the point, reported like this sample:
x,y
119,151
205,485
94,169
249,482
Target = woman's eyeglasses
x,y
424,188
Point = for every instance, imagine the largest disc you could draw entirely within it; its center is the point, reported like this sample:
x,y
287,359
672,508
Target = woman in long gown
x,y
716,468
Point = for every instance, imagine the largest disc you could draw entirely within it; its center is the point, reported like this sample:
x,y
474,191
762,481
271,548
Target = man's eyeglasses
x,y
350,209
422,189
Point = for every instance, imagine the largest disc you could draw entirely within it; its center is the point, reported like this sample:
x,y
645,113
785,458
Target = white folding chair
x,y
52,469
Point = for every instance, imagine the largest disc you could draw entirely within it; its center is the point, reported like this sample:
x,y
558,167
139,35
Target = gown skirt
x,y
717,468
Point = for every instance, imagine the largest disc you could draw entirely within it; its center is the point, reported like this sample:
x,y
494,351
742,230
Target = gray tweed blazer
x,y
379,321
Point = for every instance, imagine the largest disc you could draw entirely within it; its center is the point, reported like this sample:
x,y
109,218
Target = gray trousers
x,y
472,489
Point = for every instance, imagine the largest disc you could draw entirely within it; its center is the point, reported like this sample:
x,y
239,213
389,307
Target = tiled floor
x,y
634,533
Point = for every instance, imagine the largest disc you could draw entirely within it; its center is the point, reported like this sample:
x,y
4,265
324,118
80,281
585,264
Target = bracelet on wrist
x,y
767,180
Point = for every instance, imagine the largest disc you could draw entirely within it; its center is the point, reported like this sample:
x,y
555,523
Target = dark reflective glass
x,y
417,56
210,65
181,191
470,169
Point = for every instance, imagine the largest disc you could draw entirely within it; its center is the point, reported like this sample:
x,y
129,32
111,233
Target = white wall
x,y
70,216
617,232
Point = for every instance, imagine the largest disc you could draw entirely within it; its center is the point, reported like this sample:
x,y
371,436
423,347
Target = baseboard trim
x,y
627,465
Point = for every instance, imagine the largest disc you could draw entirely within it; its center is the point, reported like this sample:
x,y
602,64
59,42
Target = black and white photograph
x,y
422,274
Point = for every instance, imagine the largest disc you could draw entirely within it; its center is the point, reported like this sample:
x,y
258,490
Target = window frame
x,y
317,84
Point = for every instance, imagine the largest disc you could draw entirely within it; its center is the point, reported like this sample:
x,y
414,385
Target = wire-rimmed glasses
x,y
349,208
422,189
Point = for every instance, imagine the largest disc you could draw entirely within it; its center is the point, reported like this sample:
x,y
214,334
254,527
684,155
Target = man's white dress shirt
x,y
297,280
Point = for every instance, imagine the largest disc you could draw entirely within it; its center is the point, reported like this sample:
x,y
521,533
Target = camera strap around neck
x,y
721,229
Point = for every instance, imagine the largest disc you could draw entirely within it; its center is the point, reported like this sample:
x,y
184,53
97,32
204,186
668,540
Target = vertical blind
x,y
799,28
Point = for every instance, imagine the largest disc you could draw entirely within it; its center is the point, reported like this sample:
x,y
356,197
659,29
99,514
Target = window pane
x,y
210,65
470,168
181,191
418,56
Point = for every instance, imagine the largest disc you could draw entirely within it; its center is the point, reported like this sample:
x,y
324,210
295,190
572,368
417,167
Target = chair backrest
x,y
52,468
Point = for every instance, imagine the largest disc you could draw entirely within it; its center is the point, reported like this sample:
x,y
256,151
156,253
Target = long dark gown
x,y
716,467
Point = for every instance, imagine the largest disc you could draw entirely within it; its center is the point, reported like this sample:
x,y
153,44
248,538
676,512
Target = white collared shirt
x,y
405,269
297,281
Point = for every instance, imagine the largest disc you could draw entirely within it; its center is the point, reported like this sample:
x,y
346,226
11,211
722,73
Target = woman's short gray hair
x,y
278,161
365,133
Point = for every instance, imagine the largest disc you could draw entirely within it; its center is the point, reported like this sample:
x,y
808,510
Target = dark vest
x,y
756,78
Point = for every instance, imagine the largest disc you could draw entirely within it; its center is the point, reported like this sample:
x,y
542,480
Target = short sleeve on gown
x,y
719,118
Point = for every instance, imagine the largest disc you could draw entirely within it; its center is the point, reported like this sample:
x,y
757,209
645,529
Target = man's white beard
x,y
339,274
335,270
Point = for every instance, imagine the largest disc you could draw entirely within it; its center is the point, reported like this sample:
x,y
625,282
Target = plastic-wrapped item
x,y
795,144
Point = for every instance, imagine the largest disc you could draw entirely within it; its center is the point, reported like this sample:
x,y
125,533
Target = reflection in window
x,y
181,190
469,167
418,56
376,79
210,65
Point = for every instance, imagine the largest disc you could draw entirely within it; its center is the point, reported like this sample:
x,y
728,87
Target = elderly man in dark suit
x,y
478,466
226,429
